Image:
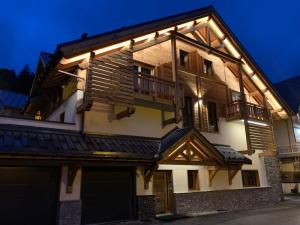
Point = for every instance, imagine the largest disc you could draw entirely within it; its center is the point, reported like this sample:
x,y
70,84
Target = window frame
x,y
207,67
216,124
183,58
248,184
194,184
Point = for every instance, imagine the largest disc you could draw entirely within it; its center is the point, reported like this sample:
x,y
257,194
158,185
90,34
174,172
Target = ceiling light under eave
x,y
145,37
247,68
283,114
231,49
216,29
187,25
258,82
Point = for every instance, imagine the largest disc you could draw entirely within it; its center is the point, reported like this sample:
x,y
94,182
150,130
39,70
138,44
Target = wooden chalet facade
x,y
169,116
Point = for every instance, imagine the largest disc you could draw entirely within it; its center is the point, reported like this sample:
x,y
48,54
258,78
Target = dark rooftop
x,y
10,99
52,142
290,91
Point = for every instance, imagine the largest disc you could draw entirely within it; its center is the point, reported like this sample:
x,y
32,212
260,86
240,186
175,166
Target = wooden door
x,y
163,191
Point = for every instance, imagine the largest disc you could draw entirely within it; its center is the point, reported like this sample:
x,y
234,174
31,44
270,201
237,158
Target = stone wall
x,y
195,202
69,213
273,174
146,207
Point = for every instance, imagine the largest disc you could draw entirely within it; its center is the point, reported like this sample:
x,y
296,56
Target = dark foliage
x,y
21,83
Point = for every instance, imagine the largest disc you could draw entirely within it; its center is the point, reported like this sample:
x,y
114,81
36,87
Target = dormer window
x,y
207,67
184,58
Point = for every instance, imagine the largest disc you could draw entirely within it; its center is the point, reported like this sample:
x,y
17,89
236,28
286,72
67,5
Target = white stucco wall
x,y
230,133
69,107
75,195
144,122
220,181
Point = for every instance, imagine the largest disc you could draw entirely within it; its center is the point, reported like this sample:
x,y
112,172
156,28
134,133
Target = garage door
x,y
107,195
28,195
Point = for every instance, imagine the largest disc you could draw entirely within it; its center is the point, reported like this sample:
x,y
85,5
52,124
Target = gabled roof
x,y
290,90
13,100
32,141
74,52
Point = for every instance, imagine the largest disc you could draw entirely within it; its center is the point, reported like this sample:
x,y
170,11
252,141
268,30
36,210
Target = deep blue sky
x,y
268,29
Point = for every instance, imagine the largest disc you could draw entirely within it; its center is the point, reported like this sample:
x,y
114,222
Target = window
x,y
212,117
193,180
143,69
250,178
62,117
235,95
184,58
297,133
207,67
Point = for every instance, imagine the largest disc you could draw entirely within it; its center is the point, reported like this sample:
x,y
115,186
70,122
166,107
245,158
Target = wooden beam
x,y
148,44
175,78
126,113
212,172
211,50
72,172
232,171
148,173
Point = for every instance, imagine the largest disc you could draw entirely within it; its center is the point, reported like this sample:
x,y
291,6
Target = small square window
x,y
250,178
184,58
193,180
207,67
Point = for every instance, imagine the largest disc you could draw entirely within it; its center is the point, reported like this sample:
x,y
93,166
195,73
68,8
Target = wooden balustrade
x,y
156,87
235,111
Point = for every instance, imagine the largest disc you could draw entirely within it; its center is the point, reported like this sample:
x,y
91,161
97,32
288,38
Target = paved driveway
x,y
284,213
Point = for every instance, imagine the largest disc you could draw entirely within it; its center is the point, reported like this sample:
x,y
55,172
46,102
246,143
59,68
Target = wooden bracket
x,y
148,172
86,106
232,171
168,121
126,113
212,171
72,172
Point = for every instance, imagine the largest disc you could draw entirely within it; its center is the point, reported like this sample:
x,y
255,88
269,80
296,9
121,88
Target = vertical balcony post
x,y
242,93
175,78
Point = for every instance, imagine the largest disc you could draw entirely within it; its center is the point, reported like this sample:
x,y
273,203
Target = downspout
x,y
288,132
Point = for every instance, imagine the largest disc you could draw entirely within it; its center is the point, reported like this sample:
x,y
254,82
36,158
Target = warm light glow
x,y
166,30
283,114
64,61
145,37
202,20
112,47
257,123
247,68
177,149
187,25
231,49
216,29
258,82
273,102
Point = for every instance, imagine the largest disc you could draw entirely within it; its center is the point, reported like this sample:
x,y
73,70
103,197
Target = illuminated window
x,y
193,180
235,95
297,133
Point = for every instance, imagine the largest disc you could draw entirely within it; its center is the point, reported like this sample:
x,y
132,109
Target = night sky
x,y
269,30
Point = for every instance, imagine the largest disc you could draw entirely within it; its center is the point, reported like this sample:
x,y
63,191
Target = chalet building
x,y
168,116
287,135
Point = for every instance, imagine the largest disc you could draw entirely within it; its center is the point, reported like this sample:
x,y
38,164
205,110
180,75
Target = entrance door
x,y
163,191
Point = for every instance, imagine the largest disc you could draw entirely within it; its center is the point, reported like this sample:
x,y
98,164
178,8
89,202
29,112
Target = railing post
x,y
175,77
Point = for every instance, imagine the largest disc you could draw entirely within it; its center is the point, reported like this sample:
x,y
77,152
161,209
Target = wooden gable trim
x,y
193,152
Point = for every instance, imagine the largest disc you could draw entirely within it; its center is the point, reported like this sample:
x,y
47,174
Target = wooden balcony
x,y
156,88
234,111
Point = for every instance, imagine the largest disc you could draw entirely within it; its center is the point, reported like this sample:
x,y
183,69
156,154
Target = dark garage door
x,y
107,195
28,195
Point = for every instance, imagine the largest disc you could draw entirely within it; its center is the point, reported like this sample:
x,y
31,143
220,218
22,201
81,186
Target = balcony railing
x,y
288,149
157,88
255,112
